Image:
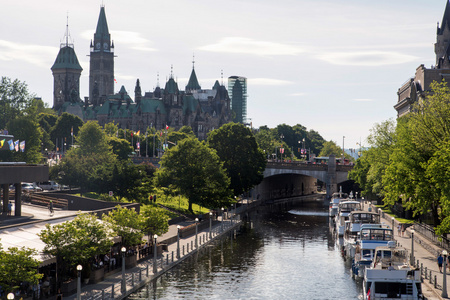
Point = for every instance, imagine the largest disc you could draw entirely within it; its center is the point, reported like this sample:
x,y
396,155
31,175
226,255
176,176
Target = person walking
x,y
440,261
403,229
399,229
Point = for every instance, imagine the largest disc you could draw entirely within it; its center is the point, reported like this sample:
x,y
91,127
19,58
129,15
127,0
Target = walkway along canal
x,y
122,284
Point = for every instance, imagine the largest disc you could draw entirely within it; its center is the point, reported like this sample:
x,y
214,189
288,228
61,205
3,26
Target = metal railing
x,y
429,233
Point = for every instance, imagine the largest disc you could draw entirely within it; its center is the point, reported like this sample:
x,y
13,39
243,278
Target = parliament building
x,y
202,109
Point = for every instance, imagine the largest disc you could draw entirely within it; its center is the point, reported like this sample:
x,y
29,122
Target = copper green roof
x,y
193,82
102,32
189,104
171,87
216,85
67,59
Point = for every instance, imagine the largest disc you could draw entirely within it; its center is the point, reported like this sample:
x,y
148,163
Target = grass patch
x,y
387,210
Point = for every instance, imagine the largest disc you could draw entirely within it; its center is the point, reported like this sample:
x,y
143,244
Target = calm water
x,y
288,255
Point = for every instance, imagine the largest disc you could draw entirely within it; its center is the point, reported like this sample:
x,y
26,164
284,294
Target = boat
x,y
371,236
356,220
345,208
334,203
390,275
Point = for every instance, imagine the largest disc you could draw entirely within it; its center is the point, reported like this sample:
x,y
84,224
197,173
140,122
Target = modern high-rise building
x,y
237,90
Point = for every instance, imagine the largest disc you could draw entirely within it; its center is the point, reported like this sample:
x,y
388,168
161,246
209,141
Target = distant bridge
x,y
290,179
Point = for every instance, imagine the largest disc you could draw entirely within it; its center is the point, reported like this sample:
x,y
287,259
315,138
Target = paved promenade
x,y
425,252
139,276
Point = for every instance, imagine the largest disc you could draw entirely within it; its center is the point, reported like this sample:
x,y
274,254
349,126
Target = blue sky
x,y
331,66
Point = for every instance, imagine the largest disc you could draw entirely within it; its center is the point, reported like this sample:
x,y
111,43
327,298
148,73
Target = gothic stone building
x,y
415,88
203,110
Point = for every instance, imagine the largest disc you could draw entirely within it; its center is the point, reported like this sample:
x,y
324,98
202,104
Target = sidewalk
x,y
137,277
425,252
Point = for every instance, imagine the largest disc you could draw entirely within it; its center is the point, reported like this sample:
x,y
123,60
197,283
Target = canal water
x,y
289,255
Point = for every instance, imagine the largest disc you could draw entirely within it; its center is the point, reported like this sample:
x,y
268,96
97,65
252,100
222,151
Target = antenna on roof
x,y
221,75
157,79
193,60
171,71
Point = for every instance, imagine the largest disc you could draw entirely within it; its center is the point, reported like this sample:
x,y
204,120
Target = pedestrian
x,y
9,208
399,229
440,260
403,229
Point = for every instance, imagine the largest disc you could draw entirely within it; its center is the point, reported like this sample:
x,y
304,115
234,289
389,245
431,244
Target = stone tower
x,y
101,67
66,74
442,45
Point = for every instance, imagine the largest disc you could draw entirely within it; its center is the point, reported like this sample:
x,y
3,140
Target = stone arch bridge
x,y
291,179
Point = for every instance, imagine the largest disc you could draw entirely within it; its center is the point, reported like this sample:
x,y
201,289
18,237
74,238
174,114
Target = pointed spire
x,y
67,37
445,19
193,82
102,33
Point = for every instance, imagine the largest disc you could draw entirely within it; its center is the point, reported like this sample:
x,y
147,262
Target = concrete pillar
x,y
5,193
18,200
331,176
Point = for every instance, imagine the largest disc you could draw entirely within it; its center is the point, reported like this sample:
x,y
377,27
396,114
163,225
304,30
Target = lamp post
x,y
155,267
178,241
343,150
196,233
412,248
222,218
79,268
10,296
124,287
444,282
210,225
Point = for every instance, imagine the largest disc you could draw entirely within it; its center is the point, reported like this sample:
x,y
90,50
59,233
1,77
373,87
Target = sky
x,y
332,66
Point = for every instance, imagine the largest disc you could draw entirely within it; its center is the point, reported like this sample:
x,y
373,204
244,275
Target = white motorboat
x,y
370,237
356,220
345,208
334,203
390,275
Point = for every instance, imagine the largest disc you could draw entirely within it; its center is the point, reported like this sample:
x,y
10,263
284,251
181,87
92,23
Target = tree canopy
x,y
194,170
242,159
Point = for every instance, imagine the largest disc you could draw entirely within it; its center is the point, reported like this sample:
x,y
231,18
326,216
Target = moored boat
x,y
334,203
391,276
345,208
371,236
353,227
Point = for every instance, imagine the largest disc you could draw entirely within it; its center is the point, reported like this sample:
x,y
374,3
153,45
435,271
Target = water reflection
x,y
289,255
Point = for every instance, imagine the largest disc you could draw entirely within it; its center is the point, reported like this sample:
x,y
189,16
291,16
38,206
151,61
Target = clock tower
x,y
101,67
66,75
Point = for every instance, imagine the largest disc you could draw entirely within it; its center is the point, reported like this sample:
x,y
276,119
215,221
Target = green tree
x,y
61,132
14,100
120,147
243,160
127,224
128,181
76,242
18,265
154,221
194,170
25,128
111,129
370,168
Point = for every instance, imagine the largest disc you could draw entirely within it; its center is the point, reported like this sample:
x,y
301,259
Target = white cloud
x,y
134,39
268,81
33,54
366,58
298,94
242,45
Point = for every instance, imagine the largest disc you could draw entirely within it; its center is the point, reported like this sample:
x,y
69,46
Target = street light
x,y
155,268
412,248
444,283
10,296
178,241
79,268
210,225
196,233
222,218
124,287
